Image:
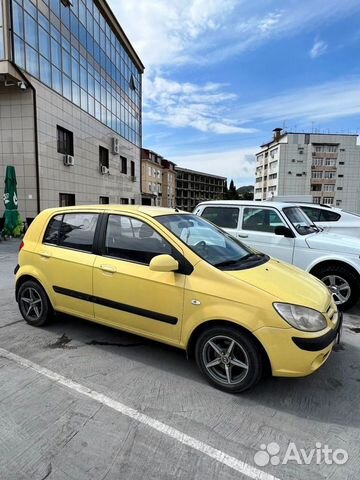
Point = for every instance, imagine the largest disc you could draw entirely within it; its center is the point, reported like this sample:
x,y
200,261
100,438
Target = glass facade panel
x,y
104,82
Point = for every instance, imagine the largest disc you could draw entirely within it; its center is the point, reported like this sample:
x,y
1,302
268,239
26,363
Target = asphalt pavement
x,y
81,401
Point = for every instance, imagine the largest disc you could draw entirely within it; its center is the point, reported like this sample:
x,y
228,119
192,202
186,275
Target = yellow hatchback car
x,y
176,278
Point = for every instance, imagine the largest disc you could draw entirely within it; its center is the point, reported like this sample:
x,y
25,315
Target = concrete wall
x,y
17,147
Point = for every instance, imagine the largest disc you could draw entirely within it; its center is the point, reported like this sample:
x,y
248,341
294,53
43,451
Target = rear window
x,y
72,230
225,217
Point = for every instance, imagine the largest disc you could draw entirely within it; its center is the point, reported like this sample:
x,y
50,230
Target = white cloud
x,y
237,164
337,99
318,49
202,107
207,31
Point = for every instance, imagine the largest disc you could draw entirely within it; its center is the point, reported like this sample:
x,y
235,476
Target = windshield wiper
x,y
249,256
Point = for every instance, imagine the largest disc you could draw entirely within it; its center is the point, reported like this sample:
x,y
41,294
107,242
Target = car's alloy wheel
x,y
34,304
339,288
229,358
31,304
225,359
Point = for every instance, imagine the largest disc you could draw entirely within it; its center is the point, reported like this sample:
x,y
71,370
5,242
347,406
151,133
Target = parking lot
x,y
81,401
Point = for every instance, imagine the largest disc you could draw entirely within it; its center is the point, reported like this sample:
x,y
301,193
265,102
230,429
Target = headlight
x,y
302,318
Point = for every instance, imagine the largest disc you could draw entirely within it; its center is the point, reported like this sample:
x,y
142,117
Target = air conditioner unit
x,y
115,146
104,170
289,173
69,160
133,178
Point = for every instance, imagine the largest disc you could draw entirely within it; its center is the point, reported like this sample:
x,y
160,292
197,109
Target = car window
x,y
225,217
211,243
328,216
73,230
261,220
53,230
133,240
312,213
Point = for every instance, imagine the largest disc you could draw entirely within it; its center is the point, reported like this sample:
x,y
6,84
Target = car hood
x,y
333,242
287,283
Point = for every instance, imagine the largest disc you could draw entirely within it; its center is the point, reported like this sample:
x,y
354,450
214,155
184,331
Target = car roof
x,y
249,202
152,211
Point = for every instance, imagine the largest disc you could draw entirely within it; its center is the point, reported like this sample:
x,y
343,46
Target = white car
x,y
333,220
284,231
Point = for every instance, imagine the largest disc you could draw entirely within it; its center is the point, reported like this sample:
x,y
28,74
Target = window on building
x,y
103,157
123,165
316,187
329,174
124,201
317,161
261,220
339,188
317,174
329,188
132,201
330,162
132,168
66,199
340,176
341,163
104,200
328,200
132,240
316,199
65,141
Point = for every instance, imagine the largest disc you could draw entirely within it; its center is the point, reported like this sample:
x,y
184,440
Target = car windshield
x,y
300,221
211,243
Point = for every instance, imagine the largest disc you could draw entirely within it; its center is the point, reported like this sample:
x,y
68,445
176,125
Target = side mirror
x,y
284,231
164,263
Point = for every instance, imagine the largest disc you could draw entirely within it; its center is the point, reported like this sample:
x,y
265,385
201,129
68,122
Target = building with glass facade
x,y
70,100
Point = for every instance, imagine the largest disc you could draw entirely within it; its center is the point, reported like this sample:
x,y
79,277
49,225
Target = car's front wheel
x,y
229,359
342,283
33,303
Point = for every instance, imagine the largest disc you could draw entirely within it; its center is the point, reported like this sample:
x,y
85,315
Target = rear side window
x,y
225,217
261,220
72,230
133,240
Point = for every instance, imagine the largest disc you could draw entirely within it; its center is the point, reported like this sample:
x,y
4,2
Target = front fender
x,y
334,258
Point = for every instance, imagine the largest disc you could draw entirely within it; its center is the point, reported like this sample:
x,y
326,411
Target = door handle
x,y
45,254
108,268
242,236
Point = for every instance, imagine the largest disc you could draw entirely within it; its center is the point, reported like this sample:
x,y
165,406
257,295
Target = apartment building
x,y
325,166
158,179
193,187
70,100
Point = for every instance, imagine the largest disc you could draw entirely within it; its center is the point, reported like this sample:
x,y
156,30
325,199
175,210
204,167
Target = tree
x,y
231,193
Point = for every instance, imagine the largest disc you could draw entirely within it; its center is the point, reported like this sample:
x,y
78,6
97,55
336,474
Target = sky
x,y
220,75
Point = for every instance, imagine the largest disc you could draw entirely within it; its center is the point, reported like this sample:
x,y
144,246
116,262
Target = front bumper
x,y
288,359
319,343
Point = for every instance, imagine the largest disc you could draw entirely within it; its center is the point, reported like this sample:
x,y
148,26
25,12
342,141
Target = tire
x,y
335,276
34,304
224,374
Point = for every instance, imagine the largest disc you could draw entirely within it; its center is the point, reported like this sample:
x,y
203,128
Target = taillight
x,y
21,246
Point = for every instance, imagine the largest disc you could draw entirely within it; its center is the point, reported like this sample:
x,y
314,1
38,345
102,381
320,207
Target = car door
x,y
66,258
259,224
127,294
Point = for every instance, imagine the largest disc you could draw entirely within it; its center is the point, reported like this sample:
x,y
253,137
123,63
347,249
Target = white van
x,y
285,232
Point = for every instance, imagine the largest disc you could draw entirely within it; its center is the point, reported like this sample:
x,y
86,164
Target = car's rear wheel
x,y
229,359
342,283
33,303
